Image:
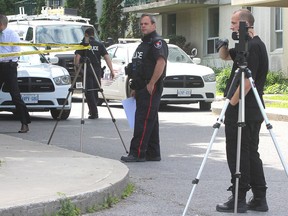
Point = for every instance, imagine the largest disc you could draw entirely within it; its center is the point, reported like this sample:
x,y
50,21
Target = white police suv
x,y
185,81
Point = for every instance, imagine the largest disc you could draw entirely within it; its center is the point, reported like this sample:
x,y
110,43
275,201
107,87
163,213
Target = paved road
x,y
162,188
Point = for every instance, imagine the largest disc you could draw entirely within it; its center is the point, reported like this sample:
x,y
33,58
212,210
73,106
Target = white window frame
x,y
278,29
213,38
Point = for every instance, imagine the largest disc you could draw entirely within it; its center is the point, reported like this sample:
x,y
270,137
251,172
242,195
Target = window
x,y
29,35
111,52
54,3
120,54
213,29
171,30
278,28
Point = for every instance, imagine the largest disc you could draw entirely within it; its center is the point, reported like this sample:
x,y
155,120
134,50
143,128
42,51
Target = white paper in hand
x,y
129,106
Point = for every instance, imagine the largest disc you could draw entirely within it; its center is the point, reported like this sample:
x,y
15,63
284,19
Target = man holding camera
x,y
251,167
148,69
93,56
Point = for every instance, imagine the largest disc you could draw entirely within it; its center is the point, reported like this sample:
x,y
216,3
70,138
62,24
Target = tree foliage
x,y
7,7
85,8
73,4
135,26
39,5
113,22
89,11
11,7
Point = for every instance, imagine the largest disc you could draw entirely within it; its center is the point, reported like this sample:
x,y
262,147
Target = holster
x,y
137,84
128,70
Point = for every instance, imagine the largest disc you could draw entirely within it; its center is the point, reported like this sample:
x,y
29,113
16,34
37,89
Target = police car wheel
x,y
64,116
100,102
205,106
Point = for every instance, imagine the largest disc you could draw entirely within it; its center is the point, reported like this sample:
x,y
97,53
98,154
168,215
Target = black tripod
x,y
84,65
240,74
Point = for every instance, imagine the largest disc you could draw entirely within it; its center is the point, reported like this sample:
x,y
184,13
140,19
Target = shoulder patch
x,y
158,44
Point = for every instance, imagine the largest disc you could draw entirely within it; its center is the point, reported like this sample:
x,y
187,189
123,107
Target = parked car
x,y
53,31
185,81
43,86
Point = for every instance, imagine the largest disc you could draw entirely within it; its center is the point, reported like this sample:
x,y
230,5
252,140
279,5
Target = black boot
x,y
229,205
258,202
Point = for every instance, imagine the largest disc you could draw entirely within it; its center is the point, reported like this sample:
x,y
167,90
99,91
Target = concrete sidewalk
x,y
33,176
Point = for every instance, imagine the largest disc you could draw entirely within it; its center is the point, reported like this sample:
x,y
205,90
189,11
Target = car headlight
x,y
62,80
210,77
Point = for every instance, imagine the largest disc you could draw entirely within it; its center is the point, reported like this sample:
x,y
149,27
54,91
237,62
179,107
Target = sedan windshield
x,y
32,59
178,55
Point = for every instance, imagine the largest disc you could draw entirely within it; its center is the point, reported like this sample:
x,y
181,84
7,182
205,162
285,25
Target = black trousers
x,y
251,166
146,139
92,89
8,75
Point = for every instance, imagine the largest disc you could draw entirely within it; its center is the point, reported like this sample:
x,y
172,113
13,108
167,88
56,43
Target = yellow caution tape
x,y
41,44
66,47
37,52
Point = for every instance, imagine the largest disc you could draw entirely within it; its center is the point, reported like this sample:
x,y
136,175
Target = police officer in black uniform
x,y
92,56
147,71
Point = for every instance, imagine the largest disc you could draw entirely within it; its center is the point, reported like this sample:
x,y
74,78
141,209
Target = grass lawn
x,y
272,100
277,101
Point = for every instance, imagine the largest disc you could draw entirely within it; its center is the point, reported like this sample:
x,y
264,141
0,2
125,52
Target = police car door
x,y
113,89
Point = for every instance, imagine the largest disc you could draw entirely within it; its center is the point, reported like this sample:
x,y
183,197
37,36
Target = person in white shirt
x,y
8,72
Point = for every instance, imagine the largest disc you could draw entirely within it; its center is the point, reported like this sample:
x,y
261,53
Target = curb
x,y
36,178
275,114
82,201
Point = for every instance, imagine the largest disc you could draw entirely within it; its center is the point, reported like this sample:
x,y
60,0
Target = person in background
x,y
94,55
8,72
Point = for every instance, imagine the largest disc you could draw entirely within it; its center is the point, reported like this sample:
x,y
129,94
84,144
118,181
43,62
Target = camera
x,y
242,47
242,36
86,41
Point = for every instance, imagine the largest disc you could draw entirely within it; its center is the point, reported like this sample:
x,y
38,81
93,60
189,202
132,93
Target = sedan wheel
x,y
64,116
205,106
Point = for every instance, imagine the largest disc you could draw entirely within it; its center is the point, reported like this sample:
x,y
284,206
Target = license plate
x,y
30,98
184,92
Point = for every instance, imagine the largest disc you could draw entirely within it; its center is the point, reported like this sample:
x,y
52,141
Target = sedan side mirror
x,y
53,60
196,60
194,52
118,61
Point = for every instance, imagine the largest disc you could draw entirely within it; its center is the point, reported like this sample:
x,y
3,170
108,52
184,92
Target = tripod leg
x,y
83,105
241,124
268,125
65,102
107,105
216,127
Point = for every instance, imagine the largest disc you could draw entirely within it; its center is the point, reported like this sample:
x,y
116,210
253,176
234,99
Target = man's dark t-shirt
x,y
257,61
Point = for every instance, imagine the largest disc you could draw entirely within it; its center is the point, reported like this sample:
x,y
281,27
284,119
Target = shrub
x,y
222,76
277,88
178,40
275,77
276,82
